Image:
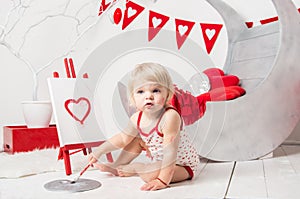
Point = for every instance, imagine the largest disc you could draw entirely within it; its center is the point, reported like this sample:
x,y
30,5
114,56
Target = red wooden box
x,y
23,139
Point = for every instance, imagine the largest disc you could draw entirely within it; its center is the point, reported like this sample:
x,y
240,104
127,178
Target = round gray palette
x,y
66,185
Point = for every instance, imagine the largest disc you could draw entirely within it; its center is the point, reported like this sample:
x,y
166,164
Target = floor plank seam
x,y
265,178
229,181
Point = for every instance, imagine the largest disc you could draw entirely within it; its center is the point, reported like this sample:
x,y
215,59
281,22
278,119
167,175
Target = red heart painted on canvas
x,y
79,109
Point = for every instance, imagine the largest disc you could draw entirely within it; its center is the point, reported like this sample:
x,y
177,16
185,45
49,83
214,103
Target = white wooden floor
x,y
275,178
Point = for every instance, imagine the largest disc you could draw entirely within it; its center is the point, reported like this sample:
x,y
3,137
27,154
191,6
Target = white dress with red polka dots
x,y
186,155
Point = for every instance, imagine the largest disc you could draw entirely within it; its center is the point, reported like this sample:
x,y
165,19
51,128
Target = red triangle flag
x,y
156,22
183,29
131,12
210,34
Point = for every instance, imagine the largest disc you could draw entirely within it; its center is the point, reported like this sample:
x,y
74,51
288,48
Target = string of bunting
x,y
210,31
264,21
157,21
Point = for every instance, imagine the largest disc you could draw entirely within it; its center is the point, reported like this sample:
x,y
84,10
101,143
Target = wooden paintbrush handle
x,y
85,168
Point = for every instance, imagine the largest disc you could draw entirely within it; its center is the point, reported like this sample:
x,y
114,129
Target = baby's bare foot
x,y
107,168
126,170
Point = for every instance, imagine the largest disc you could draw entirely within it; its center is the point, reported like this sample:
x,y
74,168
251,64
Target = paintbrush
x,y
80,174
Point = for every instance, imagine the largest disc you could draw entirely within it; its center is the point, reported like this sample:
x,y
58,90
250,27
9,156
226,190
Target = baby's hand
x,y
154,185
92,159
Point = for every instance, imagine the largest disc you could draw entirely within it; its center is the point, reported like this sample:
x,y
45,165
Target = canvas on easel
x,y
74,115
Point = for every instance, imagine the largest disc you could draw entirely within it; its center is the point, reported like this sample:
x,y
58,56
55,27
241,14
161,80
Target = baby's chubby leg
x,y
129,153
145,171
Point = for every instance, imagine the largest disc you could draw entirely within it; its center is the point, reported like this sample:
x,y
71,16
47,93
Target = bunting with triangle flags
x,y
210,31
156,22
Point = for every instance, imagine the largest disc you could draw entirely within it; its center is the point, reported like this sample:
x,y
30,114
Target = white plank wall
x,y
293,155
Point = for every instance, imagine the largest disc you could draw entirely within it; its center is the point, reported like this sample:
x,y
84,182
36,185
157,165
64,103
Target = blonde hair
x,y
150,72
